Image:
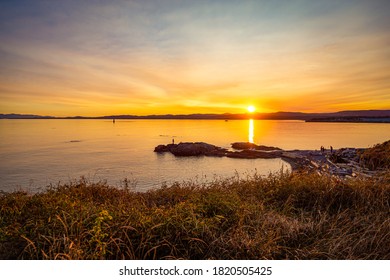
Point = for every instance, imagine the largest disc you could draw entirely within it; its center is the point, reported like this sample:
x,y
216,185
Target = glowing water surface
x,y
35,153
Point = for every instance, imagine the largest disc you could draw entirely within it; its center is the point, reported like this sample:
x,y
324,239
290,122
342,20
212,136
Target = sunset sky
x,y
93,58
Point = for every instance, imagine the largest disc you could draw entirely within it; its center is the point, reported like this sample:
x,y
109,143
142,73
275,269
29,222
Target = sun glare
x,y
251,108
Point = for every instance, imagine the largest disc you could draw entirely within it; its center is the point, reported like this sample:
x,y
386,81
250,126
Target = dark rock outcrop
x,y
163,148
252,146
196,149
203,149
191,149
252,154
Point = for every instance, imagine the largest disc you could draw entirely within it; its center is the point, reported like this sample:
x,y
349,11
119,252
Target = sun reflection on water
x,y
251,131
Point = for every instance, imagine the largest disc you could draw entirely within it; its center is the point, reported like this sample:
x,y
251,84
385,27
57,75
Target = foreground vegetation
x,y
284,216
377,157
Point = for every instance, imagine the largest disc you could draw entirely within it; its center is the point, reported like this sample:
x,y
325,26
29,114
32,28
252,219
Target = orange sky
x,y
144,57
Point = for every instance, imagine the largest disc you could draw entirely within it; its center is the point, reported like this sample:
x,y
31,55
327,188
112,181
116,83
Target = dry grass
x,y
280,217
377,157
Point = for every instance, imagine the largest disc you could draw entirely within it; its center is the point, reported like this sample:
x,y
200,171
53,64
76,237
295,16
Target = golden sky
x,y
93,58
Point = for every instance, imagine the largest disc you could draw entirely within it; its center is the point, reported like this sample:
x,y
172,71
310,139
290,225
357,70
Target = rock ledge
x,y
203,149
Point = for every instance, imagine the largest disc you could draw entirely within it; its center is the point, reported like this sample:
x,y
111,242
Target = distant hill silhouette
x,y
24,116
343,116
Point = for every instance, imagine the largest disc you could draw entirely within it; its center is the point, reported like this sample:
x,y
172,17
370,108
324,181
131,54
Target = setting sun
x,y
251,108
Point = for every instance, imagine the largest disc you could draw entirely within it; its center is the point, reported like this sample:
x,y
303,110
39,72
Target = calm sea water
x,y
35,153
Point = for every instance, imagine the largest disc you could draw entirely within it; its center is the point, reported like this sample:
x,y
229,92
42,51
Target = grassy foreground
x,y
377,156
285,216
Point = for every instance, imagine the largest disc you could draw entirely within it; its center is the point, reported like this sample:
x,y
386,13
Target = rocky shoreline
x,y
343,163
249,151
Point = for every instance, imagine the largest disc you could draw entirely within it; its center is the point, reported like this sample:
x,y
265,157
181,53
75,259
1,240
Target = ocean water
x,y
36,153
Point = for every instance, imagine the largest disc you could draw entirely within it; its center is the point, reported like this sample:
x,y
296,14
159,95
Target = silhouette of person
x,y
331,149
173,140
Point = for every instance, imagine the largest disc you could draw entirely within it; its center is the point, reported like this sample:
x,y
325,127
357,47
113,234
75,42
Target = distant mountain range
x,y
343,116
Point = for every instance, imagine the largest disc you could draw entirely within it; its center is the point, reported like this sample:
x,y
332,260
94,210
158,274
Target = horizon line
x,y
245,115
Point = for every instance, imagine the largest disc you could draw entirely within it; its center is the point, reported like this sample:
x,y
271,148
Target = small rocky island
x,y
246,150
343,163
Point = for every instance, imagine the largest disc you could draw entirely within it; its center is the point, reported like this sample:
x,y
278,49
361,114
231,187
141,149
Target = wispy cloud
x,y
77,57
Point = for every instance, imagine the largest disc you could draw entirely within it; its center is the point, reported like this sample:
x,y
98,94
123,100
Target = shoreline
x,y
297,215
342,163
